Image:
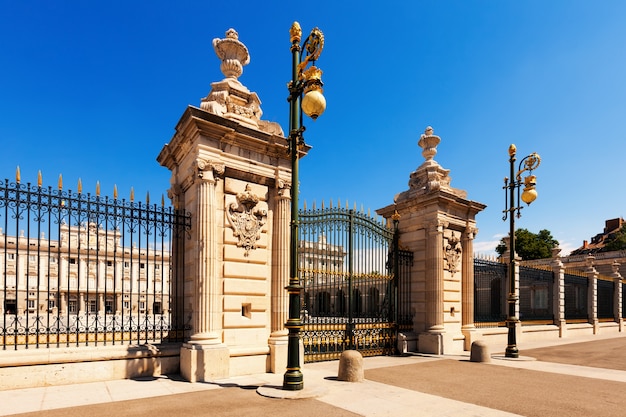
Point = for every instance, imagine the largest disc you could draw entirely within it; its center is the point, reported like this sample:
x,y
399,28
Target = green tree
x,y
529,245
617,241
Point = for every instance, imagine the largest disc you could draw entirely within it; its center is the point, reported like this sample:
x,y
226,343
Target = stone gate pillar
x,y
437,223
231,171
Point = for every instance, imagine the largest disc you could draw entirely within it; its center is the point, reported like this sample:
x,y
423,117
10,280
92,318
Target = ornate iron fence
x,y
351,284
81,269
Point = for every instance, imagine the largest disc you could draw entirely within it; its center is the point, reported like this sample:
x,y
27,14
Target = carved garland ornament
x,y
246,219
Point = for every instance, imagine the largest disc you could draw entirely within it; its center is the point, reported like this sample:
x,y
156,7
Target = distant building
x,y
611,227
87,270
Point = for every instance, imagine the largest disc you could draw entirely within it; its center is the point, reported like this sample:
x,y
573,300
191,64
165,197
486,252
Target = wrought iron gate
x,y
354,296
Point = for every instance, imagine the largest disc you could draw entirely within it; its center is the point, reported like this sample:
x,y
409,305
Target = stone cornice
x,y
197,126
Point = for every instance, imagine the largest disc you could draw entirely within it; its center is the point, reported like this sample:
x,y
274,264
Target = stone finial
x,y
233,53
428,142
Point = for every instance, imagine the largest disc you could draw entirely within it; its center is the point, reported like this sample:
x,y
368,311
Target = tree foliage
x,y
529,245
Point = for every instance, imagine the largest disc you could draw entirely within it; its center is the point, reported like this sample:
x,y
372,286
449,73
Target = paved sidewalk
x,y
587,382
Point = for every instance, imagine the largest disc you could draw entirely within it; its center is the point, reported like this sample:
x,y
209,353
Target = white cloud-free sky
x,y
93,90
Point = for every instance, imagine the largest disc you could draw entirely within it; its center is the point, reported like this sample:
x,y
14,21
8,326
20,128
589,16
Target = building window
x,y
109,264
72,261
126,305
93,306
10,306
108,306
156,307
72,305
31,304
126,265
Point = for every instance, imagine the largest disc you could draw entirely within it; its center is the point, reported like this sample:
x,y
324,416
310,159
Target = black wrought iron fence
x,y
606,290
536,288
81,269
576,289
490,289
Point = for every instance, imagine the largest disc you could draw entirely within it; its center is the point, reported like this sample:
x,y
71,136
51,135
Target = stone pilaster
x,y
434,278
278,341
205,357
467,286
206,320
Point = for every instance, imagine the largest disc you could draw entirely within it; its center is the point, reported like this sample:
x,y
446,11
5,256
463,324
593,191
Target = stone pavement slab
x,y
424,385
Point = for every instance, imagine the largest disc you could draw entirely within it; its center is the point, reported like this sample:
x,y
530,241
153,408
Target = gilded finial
x,y
60,182
147,198
295,33
512,150
18,176
39,180
97,188
132,194
162,201
115,191
80,186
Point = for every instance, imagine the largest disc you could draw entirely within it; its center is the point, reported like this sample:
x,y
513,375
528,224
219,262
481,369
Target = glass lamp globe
x,y
313,104
529,195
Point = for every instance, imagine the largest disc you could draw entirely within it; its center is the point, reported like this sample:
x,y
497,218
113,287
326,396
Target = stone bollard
x,y
351,366
480,352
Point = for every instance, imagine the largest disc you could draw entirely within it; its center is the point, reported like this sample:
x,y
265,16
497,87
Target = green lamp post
x,y
305,95
512,204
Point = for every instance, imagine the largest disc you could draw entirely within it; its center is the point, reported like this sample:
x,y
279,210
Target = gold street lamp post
x,y
513,204
305,95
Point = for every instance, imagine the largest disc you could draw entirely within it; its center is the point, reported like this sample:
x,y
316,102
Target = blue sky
x,y
93,90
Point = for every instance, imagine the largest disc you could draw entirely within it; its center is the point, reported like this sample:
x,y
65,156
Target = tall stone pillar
x,y
434,281
278,341
437,223
618,294
229,170
467,286
558,291
592,294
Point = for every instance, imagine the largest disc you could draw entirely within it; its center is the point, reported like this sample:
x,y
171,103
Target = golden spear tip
x,y
39,180
18,176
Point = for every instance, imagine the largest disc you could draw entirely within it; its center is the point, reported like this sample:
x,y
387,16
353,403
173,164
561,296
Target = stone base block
x,y
407,342
202,363
278,355
430,343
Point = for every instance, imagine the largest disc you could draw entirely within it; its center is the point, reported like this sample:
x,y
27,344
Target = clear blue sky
x,y
93,90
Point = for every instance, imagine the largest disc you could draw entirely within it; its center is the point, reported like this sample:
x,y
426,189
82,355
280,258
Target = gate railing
x,y
80,269
351,288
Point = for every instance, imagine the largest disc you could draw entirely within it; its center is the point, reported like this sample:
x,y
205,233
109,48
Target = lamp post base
x,y
293,380
511,352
